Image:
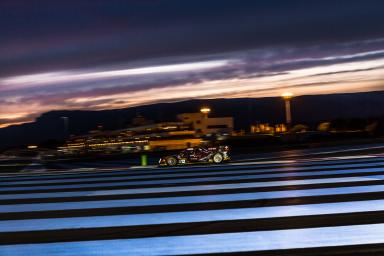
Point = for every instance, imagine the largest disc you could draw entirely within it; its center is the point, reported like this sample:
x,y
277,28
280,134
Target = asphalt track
x,y
312,206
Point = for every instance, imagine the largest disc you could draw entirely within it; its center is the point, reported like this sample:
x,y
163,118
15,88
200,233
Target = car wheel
x,y
171,161
217,158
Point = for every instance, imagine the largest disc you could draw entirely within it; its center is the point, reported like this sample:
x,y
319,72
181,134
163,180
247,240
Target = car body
x,y
196,155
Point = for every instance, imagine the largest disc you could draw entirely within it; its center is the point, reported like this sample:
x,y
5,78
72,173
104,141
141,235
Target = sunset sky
x,y
115,54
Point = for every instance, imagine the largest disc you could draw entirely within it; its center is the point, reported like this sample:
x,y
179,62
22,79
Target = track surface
x,y
321,206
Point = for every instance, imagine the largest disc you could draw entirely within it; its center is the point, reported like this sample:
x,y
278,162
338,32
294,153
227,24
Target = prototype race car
x,y
197,155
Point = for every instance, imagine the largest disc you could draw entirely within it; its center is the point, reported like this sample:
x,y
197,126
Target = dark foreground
x,y
300,204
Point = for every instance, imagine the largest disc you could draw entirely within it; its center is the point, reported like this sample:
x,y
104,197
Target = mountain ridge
x,y
309,109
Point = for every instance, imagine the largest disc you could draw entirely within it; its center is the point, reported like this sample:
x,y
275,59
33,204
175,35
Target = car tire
x,y
217,158
171,161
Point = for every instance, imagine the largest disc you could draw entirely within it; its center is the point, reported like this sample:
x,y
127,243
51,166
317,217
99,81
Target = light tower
x,y
205,111
287,96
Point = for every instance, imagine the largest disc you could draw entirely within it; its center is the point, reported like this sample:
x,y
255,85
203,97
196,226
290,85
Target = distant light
x,y
205,110
32,146
287,95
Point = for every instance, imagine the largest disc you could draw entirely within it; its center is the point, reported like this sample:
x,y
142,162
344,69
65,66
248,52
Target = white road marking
x,y
191,180
191,188
211,243
170,175
190,216
188,199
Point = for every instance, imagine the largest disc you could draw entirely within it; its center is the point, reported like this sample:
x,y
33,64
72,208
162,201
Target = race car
x,y
197,155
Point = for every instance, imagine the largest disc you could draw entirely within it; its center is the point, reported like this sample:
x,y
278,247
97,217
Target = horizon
x,y
187,100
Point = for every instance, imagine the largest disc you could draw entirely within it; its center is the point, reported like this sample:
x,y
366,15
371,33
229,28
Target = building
x,y
265,128
203,124
151,136
160,136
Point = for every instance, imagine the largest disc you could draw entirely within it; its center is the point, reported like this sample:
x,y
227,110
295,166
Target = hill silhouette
x,y
246,111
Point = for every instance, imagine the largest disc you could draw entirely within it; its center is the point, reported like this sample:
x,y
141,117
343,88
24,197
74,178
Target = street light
x,y
287,96
205,111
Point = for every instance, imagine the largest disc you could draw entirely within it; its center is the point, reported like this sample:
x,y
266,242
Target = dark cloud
x,y
45,35
259,63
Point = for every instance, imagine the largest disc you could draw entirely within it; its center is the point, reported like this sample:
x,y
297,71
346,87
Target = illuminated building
x,y
265,128
160,136
203,124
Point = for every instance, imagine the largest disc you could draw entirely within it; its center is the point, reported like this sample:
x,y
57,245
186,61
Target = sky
x,y
94,55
